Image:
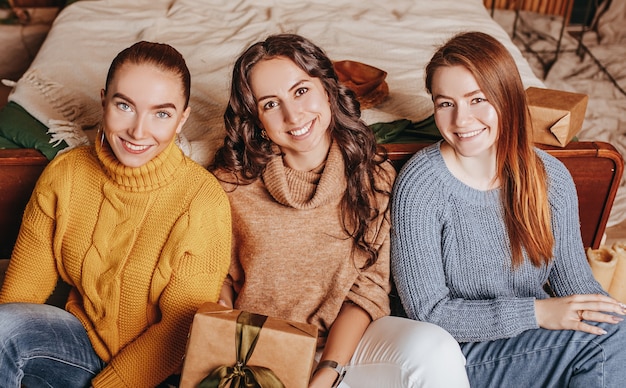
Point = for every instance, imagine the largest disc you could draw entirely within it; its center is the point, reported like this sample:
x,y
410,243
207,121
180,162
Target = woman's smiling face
x,y
294,110
144,109
466,119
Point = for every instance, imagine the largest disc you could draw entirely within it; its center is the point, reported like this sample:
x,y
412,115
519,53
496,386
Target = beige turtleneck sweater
x,y
141,247
291,256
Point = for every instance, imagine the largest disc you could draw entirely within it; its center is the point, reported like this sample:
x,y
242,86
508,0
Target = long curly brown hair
x,y
246,152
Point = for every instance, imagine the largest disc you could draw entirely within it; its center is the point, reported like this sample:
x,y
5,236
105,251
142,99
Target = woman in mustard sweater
x,y
309,194
140,232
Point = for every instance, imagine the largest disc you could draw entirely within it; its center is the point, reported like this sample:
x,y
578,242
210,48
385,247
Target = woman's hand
x,y
227,295
570,312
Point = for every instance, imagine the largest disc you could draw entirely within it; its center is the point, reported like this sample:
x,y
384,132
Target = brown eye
x,y
269,105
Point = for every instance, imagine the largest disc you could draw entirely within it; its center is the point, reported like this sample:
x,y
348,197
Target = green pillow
x,y
6,143
25,131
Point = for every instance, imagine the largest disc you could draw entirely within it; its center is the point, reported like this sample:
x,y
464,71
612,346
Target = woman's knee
x,y
424,354
431,342
14,316
407,342
24,322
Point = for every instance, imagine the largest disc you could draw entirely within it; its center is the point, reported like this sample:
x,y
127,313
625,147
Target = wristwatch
x,y
334,365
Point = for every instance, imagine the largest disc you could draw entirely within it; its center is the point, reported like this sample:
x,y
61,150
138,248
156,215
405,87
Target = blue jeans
x,y
550,358
44,346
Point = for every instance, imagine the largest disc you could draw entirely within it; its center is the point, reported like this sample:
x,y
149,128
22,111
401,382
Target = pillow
x,y
23,130
6,143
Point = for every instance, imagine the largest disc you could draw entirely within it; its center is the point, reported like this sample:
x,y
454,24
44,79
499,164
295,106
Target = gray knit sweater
x,y
450,254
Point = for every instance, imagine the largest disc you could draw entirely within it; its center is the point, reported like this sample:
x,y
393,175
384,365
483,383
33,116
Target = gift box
x,y
556,115
227,343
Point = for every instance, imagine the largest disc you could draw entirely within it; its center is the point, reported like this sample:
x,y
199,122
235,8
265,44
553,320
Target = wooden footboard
x,y
596,167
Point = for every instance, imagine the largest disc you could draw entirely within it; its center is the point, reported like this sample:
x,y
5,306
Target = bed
x,y
55,105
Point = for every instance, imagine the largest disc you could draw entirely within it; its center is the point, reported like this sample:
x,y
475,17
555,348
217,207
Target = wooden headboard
x,y
596,167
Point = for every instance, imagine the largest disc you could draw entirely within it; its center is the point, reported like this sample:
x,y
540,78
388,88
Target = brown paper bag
x,y
602,262
285,348
556,116
618,284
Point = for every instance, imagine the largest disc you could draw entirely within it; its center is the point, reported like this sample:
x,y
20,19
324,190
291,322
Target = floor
x,y
22,41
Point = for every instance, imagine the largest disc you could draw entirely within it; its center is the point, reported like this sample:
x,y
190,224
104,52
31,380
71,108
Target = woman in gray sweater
x,y
482,221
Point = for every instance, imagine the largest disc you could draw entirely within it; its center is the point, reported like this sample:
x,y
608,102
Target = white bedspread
x,y
63,84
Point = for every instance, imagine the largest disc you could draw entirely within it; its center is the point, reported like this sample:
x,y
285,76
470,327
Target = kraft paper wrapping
x,y
618,284
602,262
609,268
286,347
556,116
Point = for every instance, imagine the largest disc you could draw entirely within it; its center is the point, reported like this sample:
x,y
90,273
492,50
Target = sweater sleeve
x,y
418,262
372,286
571,273
200,244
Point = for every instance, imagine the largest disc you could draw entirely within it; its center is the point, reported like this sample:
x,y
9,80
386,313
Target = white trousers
x,y
398,352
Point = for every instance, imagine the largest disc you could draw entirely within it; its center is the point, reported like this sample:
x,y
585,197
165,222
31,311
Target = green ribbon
x,y
242,375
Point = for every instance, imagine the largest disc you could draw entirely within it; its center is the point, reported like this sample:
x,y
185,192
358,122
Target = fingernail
x,y
602,332
623,306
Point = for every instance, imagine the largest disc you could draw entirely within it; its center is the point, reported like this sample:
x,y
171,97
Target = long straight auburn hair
x,y
524,190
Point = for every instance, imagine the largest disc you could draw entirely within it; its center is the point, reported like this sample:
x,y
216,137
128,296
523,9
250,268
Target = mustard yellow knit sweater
x,y
141,247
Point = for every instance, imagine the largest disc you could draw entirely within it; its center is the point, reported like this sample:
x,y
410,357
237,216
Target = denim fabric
x,y
550,358
44,346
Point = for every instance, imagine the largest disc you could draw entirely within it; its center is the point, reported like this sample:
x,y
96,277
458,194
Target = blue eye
x,y
123,106
163,115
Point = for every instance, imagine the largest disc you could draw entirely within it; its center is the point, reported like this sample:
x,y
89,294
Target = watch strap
x,y
334,365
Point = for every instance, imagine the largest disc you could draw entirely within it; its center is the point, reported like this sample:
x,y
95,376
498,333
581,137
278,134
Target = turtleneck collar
x,y
306,189
156,173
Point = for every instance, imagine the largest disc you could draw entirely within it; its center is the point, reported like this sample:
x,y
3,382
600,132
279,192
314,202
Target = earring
x,y
101,136
264,134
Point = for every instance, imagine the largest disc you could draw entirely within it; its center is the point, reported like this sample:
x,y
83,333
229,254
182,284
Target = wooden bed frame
x,y
596,167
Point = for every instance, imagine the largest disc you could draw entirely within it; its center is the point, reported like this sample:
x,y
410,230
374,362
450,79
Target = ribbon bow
x,y
242,375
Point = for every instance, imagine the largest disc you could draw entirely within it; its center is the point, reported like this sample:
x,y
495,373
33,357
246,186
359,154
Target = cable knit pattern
x,y
291,257
141,247
450,254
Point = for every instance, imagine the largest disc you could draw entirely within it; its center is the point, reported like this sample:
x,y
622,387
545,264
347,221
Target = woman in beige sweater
x,y
309,196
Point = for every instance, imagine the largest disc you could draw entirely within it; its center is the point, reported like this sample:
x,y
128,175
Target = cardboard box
x,y
556,115
287,348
